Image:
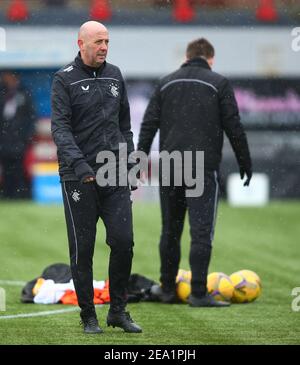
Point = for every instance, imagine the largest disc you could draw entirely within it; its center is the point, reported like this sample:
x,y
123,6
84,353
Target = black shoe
x,y
206,301
124,321
168,297
91,325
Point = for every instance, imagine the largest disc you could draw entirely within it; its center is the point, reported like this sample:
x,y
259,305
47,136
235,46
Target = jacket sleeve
x,y
151,122
232,125
124,119
62,130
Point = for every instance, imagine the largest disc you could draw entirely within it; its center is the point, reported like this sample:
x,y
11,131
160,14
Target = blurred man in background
x,y
90,114
17,124
192,107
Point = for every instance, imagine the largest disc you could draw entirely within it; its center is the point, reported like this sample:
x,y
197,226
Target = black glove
x,y
83,170
248,173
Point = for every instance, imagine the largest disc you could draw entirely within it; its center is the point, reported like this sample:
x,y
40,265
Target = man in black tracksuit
x,y
90,114
17,125
192,107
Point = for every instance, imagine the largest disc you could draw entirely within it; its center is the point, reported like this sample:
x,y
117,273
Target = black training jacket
x,y
17,130
90,113
192,107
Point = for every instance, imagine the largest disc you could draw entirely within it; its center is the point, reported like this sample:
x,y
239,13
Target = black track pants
x,y
202,214
84,204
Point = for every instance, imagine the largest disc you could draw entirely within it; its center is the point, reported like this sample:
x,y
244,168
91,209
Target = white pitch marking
x,y
12,282
35,314
38,314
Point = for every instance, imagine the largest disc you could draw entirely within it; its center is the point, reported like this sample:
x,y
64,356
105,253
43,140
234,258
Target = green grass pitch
x,y
265,240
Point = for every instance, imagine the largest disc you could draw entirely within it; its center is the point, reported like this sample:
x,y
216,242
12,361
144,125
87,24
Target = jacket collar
x,y
197,61
90,70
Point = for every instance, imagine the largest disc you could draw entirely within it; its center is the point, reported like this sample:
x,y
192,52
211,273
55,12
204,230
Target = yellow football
x,y
183,284
247,287
220,286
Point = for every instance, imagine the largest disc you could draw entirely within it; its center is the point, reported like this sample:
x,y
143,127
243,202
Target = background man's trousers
x,y
15,184
84,204
202,214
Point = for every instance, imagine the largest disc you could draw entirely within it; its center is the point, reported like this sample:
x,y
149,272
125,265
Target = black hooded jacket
x,y
90,113
192,107
16,130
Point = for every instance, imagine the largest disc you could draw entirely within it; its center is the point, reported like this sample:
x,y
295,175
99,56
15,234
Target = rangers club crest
x,y
114,89
75,194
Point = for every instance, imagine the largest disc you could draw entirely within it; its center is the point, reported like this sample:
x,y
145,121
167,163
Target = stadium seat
x,y
266,11
183,11
17,11
100,10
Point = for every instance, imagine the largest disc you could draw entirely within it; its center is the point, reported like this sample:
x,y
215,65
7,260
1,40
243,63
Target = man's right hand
x,y
89,179
248,173
84,172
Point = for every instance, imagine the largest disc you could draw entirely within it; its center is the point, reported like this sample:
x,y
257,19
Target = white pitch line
x,y
37,314
44,313
12,282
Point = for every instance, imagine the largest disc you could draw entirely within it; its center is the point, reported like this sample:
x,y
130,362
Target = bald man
x,y
90,114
